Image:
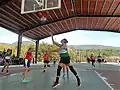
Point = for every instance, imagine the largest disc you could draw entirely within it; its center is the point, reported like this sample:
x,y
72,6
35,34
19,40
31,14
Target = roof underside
x,y
97,15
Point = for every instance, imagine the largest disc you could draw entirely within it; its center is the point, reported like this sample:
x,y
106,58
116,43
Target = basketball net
x,y
40,3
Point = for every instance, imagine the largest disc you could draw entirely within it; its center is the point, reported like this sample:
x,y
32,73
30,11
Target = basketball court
x,y
91,79
36,18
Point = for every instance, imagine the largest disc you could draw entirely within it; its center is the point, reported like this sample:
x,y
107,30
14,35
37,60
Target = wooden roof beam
x,y
27,29
4,2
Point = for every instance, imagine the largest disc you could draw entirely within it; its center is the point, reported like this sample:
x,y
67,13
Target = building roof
x,y
92,15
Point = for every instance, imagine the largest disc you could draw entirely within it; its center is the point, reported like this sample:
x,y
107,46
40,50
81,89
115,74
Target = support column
x,y
19,45
36,51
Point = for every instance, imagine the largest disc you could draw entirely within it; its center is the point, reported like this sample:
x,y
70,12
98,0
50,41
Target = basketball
x,y
43,19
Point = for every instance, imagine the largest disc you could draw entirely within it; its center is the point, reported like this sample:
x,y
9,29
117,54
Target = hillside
x,y
70,46
92,47
24,42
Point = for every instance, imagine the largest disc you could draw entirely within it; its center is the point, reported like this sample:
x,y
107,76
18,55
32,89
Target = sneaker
x,y
43,70
55,84
78,83
25,81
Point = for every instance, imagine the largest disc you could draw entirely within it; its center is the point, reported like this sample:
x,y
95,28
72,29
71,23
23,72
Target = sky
x,y
79,37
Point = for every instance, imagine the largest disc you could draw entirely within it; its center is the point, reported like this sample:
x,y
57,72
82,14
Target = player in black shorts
x,y
93,58
99,59
64,59
46,61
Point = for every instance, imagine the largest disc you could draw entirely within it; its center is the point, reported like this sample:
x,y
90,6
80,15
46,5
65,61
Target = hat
x,y
64,40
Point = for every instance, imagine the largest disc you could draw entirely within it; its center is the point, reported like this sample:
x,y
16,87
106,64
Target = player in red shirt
x,y
46,60
27,61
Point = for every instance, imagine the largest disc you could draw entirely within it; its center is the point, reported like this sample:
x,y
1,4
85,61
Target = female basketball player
x,y
27,62
64,60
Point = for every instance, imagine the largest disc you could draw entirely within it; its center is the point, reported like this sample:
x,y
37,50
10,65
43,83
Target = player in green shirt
x,y
64,60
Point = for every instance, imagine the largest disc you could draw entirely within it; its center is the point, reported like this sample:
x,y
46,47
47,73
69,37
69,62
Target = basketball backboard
x,y
30,6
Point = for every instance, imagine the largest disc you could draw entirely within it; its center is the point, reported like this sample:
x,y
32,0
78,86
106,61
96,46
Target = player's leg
x,y
48,63
4,66
7,65
67,69
56,83
45,65
99,62
54,62
64,70
93,63
26,66
75,73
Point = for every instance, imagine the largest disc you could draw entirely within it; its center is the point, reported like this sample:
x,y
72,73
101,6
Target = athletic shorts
x,y
93,61
99,60
7,61
65,60
26,63
46,62
54,61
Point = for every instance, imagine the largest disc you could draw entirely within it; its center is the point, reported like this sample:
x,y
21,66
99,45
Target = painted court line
x,y
104,81
13,74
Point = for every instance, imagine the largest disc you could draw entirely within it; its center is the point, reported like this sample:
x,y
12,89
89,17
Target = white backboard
x,y
30,6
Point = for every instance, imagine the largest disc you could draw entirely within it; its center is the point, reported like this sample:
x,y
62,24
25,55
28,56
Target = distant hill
x,y
92,47
24,42
15,43
70,46
4,44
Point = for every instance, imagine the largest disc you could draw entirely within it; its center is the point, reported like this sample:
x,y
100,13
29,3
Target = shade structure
x,y
93,15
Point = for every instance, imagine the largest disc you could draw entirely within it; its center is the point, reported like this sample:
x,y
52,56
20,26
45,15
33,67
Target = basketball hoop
x,y
30,6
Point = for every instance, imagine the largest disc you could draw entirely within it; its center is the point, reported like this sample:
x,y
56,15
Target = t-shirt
x,y
28,56
46,57
8,55
92,57
64,53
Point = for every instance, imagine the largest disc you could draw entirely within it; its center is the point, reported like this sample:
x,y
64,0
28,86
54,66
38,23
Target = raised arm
x,y
55,42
